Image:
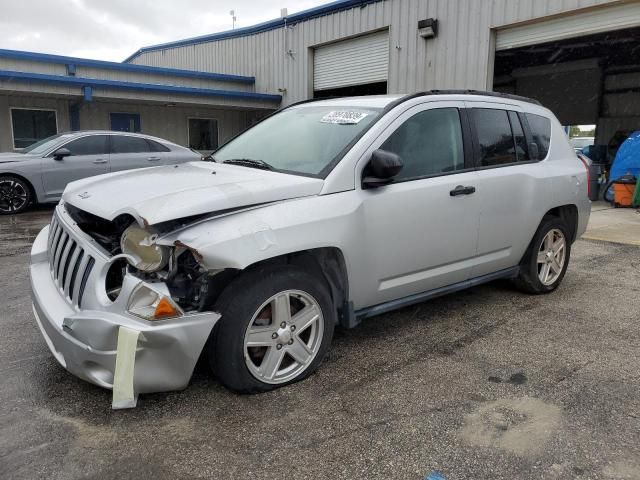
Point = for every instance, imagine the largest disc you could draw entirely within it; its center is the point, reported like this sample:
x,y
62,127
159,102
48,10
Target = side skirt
x,y
357,316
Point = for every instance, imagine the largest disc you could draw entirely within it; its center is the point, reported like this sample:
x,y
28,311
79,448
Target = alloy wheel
x,y
13,195
551,256
283,337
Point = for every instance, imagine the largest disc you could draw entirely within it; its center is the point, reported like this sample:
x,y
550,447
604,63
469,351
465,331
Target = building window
x,y
125,122
203,134
30,126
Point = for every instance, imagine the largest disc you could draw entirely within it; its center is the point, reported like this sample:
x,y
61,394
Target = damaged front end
x,y
141,252
118,309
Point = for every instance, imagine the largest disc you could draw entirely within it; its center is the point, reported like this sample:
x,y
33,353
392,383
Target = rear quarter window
x,y
541,132
157,147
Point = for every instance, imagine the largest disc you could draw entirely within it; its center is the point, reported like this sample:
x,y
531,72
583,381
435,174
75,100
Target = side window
x,y
126,144
92,145
494,137
541,131
157,147
522,152
428,143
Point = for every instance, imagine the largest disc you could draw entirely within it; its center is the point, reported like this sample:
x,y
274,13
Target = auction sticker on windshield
x,y
343,117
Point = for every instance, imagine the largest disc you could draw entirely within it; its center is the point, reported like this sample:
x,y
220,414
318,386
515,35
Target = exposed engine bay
x,y
192,287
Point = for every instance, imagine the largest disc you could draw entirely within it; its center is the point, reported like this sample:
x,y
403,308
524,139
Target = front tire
x,y
15,195
276,328
545,263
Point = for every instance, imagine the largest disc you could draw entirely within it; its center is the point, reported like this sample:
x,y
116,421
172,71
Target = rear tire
x,y
276,328
546,260
15,195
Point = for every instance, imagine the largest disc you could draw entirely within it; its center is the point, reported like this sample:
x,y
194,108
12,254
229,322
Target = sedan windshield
x,y
43,146
304,140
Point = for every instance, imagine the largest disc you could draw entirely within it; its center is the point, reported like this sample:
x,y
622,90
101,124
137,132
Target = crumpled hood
x,y
156,195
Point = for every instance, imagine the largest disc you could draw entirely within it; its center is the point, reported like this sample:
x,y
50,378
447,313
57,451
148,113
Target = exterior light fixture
x,y
428,28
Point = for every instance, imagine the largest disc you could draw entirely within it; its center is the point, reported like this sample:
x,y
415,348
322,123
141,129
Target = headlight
x,y
139,244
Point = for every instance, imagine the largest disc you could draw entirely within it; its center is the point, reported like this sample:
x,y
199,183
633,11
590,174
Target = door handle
x,y
153,159
100,160
462,190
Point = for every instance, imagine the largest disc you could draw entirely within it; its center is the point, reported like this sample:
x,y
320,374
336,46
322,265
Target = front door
x,y
89,157
420,232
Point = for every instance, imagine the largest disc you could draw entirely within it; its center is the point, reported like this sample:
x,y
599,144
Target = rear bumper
x,y
584,212
85,342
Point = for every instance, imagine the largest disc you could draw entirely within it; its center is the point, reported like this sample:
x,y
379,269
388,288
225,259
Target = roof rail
x,y
429,92
479,92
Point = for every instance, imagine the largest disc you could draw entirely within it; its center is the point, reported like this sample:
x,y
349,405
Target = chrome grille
x,y
69,263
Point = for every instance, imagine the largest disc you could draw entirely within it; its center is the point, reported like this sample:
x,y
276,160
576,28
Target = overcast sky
x,y
114,29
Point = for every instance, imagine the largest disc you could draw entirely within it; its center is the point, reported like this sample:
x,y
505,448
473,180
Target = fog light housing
x,y
151,305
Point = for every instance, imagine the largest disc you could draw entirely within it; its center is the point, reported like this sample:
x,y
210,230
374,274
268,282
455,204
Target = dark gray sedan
x,y
40,172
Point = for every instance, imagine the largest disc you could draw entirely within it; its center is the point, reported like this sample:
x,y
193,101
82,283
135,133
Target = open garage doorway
x,y
350,67
585,80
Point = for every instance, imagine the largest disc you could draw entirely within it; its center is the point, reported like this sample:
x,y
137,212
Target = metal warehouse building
x,y
581,58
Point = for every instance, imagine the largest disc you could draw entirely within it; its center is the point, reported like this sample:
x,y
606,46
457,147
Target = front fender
x,y
247,237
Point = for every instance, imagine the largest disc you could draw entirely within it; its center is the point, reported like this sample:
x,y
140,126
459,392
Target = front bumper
x,y
85,341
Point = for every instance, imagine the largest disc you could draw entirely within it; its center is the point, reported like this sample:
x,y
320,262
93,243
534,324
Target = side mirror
x,y
381,169
61,153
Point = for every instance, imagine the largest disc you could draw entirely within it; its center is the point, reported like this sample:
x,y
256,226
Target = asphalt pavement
x,y
488,383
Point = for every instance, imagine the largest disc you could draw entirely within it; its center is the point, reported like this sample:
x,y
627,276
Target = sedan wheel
x,y
14,195
283,337
551,256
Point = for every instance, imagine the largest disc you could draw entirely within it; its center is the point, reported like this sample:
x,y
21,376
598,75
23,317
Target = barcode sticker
x,y
343,117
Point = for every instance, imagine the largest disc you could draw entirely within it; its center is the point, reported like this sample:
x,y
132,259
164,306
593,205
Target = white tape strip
x,y
123,394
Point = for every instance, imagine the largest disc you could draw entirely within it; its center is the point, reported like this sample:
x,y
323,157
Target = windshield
x,y
44,145
300,140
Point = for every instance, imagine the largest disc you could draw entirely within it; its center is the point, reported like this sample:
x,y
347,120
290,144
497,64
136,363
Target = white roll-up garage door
x,y
356,61
592,21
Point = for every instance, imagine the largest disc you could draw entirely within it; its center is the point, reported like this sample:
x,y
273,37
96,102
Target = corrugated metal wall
x,y
458,58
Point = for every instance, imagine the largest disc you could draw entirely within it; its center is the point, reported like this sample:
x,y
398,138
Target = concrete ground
x,y
609,224
484,384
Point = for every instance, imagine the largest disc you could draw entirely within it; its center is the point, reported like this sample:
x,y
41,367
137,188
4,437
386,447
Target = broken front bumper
x,y
85,340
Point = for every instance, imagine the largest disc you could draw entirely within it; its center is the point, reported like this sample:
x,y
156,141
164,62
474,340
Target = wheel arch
x,y
569,214
327,263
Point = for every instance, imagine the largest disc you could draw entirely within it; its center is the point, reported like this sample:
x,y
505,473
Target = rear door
x,y
166,156
419,233
128,152
89,157
512,186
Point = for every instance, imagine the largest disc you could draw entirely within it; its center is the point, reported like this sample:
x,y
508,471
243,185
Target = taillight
x,y
586,165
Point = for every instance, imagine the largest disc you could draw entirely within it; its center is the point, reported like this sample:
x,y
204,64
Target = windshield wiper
x,y
249,162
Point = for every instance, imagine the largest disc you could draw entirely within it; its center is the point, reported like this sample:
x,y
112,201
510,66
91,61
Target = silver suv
x,y
324,214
